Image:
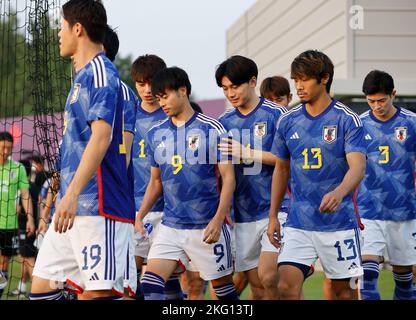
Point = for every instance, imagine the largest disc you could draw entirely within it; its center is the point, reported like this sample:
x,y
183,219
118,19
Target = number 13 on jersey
x,y
317,154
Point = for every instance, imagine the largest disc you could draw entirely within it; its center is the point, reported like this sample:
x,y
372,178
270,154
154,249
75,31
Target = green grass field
x,y
312,286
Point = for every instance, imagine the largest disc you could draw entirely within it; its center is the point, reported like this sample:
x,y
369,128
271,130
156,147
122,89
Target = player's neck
x,y
183,117
2,161
316,107
86,51
150,107
250,105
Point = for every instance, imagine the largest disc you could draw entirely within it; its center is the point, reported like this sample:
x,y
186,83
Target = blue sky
x,y
190,34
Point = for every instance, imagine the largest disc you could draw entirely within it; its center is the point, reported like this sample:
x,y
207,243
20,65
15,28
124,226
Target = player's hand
x,y
230,147
30,225
139,227
273,232
65,213
42,227
330,202
212,232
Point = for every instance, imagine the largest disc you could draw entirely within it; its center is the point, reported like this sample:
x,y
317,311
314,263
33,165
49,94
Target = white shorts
x,y
250,240
398,237
130,274
213,261
282,216
90,256
142,245
339,251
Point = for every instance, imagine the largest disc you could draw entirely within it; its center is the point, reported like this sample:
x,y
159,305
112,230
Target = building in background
x,y
358,36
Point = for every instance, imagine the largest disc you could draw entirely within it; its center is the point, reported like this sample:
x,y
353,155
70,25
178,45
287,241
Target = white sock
x,y
21,286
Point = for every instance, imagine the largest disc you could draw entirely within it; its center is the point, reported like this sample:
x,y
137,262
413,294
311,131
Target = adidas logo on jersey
x,y
222,268
295,136
162,145
368,137
94,277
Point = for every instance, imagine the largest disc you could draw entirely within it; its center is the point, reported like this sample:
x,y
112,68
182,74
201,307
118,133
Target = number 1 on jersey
x,y
142,154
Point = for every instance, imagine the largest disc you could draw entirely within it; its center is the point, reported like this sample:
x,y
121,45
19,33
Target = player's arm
x,y
92,157
280,180
356,162
212,232
28,207
128,142
231,147
153,192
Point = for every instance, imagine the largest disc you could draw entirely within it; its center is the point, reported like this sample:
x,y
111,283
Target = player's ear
x,y
393,94
325,78
289,98
253,82
78,28
182,92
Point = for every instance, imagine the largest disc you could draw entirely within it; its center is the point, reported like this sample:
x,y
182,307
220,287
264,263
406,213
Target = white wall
x,y
274,32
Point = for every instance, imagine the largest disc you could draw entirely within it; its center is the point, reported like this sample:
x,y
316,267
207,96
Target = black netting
x,y
34,83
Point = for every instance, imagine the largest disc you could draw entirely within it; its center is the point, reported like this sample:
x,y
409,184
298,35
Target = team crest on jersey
x,y
329,134
260,129
75,93
193,142
400,133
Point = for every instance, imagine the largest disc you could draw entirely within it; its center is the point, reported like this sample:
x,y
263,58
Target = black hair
x,y
90,14
378,82
145,67
111,43
170,79
238,69
6,136
196,107
313,64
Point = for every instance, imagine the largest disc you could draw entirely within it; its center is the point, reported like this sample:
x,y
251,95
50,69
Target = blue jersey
x,y
388,189
96,95
187,158
130,110
317,148
141,160
129,121
251,200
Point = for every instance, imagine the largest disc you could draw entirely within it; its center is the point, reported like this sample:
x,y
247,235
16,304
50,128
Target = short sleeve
x,y
103,102
129,110
150,150
23,182
354,135
279,147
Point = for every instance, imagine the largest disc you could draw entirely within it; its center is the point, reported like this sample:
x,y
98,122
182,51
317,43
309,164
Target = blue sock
x,y
403,289
153,286
53,295
139,291
226,292
173,290
369,290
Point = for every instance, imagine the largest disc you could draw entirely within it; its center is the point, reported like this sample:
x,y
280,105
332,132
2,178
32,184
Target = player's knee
x,y
195,286
268,279
345,294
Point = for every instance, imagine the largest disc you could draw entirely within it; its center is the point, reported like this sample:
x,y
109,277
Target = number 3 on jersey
x,y
384,151
317,154
177,164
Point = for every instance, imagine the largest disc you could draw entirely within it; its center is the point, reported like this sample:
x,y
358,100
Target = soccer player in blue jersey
x,y
183,151
87,247
252,123
386,197
130,101
319,144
